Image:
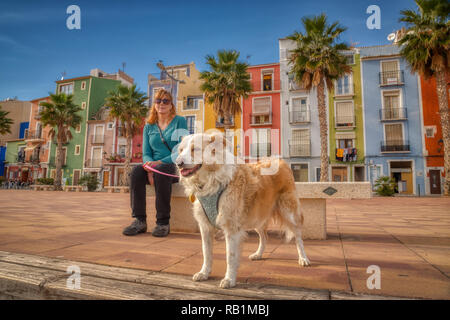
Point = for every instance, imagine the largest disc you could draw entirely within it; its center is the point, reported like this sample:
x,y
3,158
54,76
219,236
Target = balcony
x,y
220,123
95,163
346,154
296,116
34,135
345,121
97,139
387,114
391,78
395,146
258,119
299,149
259,86
293,85
260,149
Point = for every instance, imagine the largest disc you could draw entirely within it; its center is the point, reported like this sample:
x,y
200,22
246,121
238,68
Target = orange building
x,y
434,145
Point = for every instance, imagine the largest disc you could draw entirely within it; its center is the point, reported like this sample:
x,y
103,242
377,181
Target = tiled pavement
x,y
408,238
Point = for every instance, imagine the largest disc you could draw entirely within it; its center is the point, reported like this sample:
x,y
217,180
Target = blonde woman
x,y
158,148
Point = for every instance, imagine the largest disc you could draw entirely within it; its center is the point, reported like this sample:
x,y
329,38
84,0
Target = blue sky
x,y
36,46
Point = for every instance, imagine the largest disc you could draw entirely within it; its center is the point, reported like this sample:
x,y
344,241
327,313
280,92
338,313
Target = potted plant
x,y
90,181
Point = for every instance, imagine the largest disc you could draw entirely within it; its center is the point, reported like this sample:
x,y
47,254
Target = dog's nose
x,y
180,163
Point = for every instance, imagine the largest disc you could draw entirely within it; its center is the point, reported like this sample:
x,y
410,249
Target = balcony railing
x,y
393,114
95,163
260,149
34,135
259,85
299,149
391,78
395,146
345,121
261,118
346,154
299,116
293,86
100,138
34,159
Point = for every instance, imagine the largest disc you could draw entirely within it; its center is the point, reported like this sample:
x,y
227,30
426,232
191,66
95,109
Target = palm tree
x,y
225,84
426,46
317,61
127,104
60,113
5,123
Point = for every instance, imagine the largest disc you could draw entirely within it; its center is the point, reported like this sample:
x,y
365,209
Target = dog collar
x,y
210,204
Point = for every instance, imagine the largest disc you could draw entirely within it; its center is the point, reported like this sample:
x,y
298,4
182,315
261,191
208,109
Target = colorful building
x,y
392,119
261,113
299,122
89,92
432,130
346,127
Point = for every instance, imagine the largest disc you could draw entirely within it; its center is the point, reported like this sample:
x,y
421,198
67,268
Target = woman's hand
x,y
149,172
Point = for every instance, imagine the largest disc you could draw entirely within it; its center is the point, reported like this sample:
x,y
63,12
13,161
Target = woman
x,y
159,151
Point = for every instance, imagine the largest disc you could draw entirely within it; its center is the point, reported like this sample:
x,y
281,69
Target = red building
x,y
261,113
433,136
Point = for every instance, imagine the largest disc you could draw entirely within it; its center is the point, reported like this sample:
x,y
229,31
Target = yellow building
x,y
212,121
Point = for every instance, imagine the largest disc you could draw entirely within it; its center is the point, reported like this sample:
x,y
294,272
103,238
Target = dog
x,y
241,197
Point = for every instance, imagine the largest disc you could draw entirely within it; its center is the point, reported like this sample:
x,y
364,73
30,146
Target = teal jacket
x,y
154,149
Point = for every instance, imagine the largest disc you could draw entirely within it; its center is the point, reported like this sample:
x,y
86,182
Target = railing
x,y
33,134
20,159
299,149
95,163
99,138
345,121
391,78
393,114
34,159
294,86
260,149
261,118
348,154
395,146
299,116
259,85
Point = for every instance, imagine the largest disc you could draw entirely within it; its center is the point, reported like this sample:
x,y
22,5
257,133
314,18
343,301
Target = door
x,y
339,174
359,174
435,181
105,178
120,172
76,177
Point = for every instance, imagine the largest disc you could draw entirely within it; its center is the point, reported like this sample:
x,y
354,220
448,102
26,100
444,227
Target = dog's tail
x,y
289,218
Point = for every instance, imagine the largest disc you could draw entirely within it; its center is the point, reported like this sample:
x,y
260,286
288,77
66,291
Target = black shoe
x,y
161,230
135,228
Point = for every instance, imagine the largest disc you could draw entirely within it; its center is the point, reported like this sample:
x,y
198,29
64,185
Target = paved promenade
x,y
407,238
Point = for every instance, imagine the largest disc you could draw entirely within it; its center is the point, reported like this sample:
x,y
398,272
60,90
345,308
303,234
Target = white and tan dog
x,y
250,200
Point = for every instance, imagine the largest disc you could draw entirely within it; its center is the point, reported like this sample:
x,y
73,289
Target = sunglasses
x,y
164,101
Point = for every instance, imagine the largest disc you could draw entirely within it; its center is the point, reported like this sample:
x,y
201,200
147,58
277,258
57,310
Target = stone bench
x,y
70,188
44,187
312,195
115,189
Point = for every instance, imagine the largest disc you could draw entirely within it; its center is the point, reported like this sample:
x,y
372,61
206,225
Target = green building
x,y
89,93
346,132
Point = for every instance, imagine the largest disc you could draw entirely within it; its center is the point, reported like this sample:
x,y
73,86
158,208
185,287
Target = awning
x,y
345,135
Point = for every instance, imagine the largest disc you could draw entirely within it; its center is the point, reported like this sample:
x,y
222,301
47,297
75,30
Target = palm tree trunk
x,y
441,87
126,173
323,131
58,160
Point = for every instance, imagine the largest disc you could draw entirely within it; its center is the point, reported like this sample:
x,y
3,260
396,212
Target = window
x,y
66,88
344,114
350,58
110,126
83,105
96,160
344,143
78,129
261,146
83,85
190,120
261,110
390,72
430,131
393,134
344,85
300,145
98,134
193,103
317,174
267,80
77,150
300,172
122,150
392,109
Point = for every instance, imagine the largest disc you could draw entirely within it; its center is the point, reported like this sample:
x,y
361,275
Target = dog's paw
x,y
304,262
255,256
227,283
200,276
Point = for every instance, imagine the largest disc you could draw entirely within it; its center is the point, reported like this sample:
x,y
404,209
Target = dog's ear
x,y
219,137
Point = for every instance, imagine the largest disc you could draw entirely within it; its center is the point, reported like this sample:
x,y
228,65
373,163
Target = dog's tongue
x,y
185,172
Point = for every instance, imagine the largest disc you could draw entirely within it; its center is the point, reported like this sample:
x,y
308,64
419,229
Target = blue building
x,y
392,118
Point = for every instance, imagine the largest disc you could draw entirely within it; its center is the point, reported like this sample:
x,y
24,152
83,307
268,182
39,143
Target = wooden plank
x,y
170,282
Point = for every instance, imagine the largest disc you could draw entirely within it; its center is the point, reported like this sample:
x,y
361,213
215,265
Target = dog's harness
x,y
210,205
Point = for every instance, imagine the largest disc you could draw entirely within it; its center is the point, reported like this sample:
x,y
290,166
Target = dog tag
x,y
192,198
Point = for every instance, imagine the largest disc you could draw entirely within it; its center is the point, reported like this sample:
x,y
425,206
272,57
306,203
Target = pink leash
x,y
157,171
